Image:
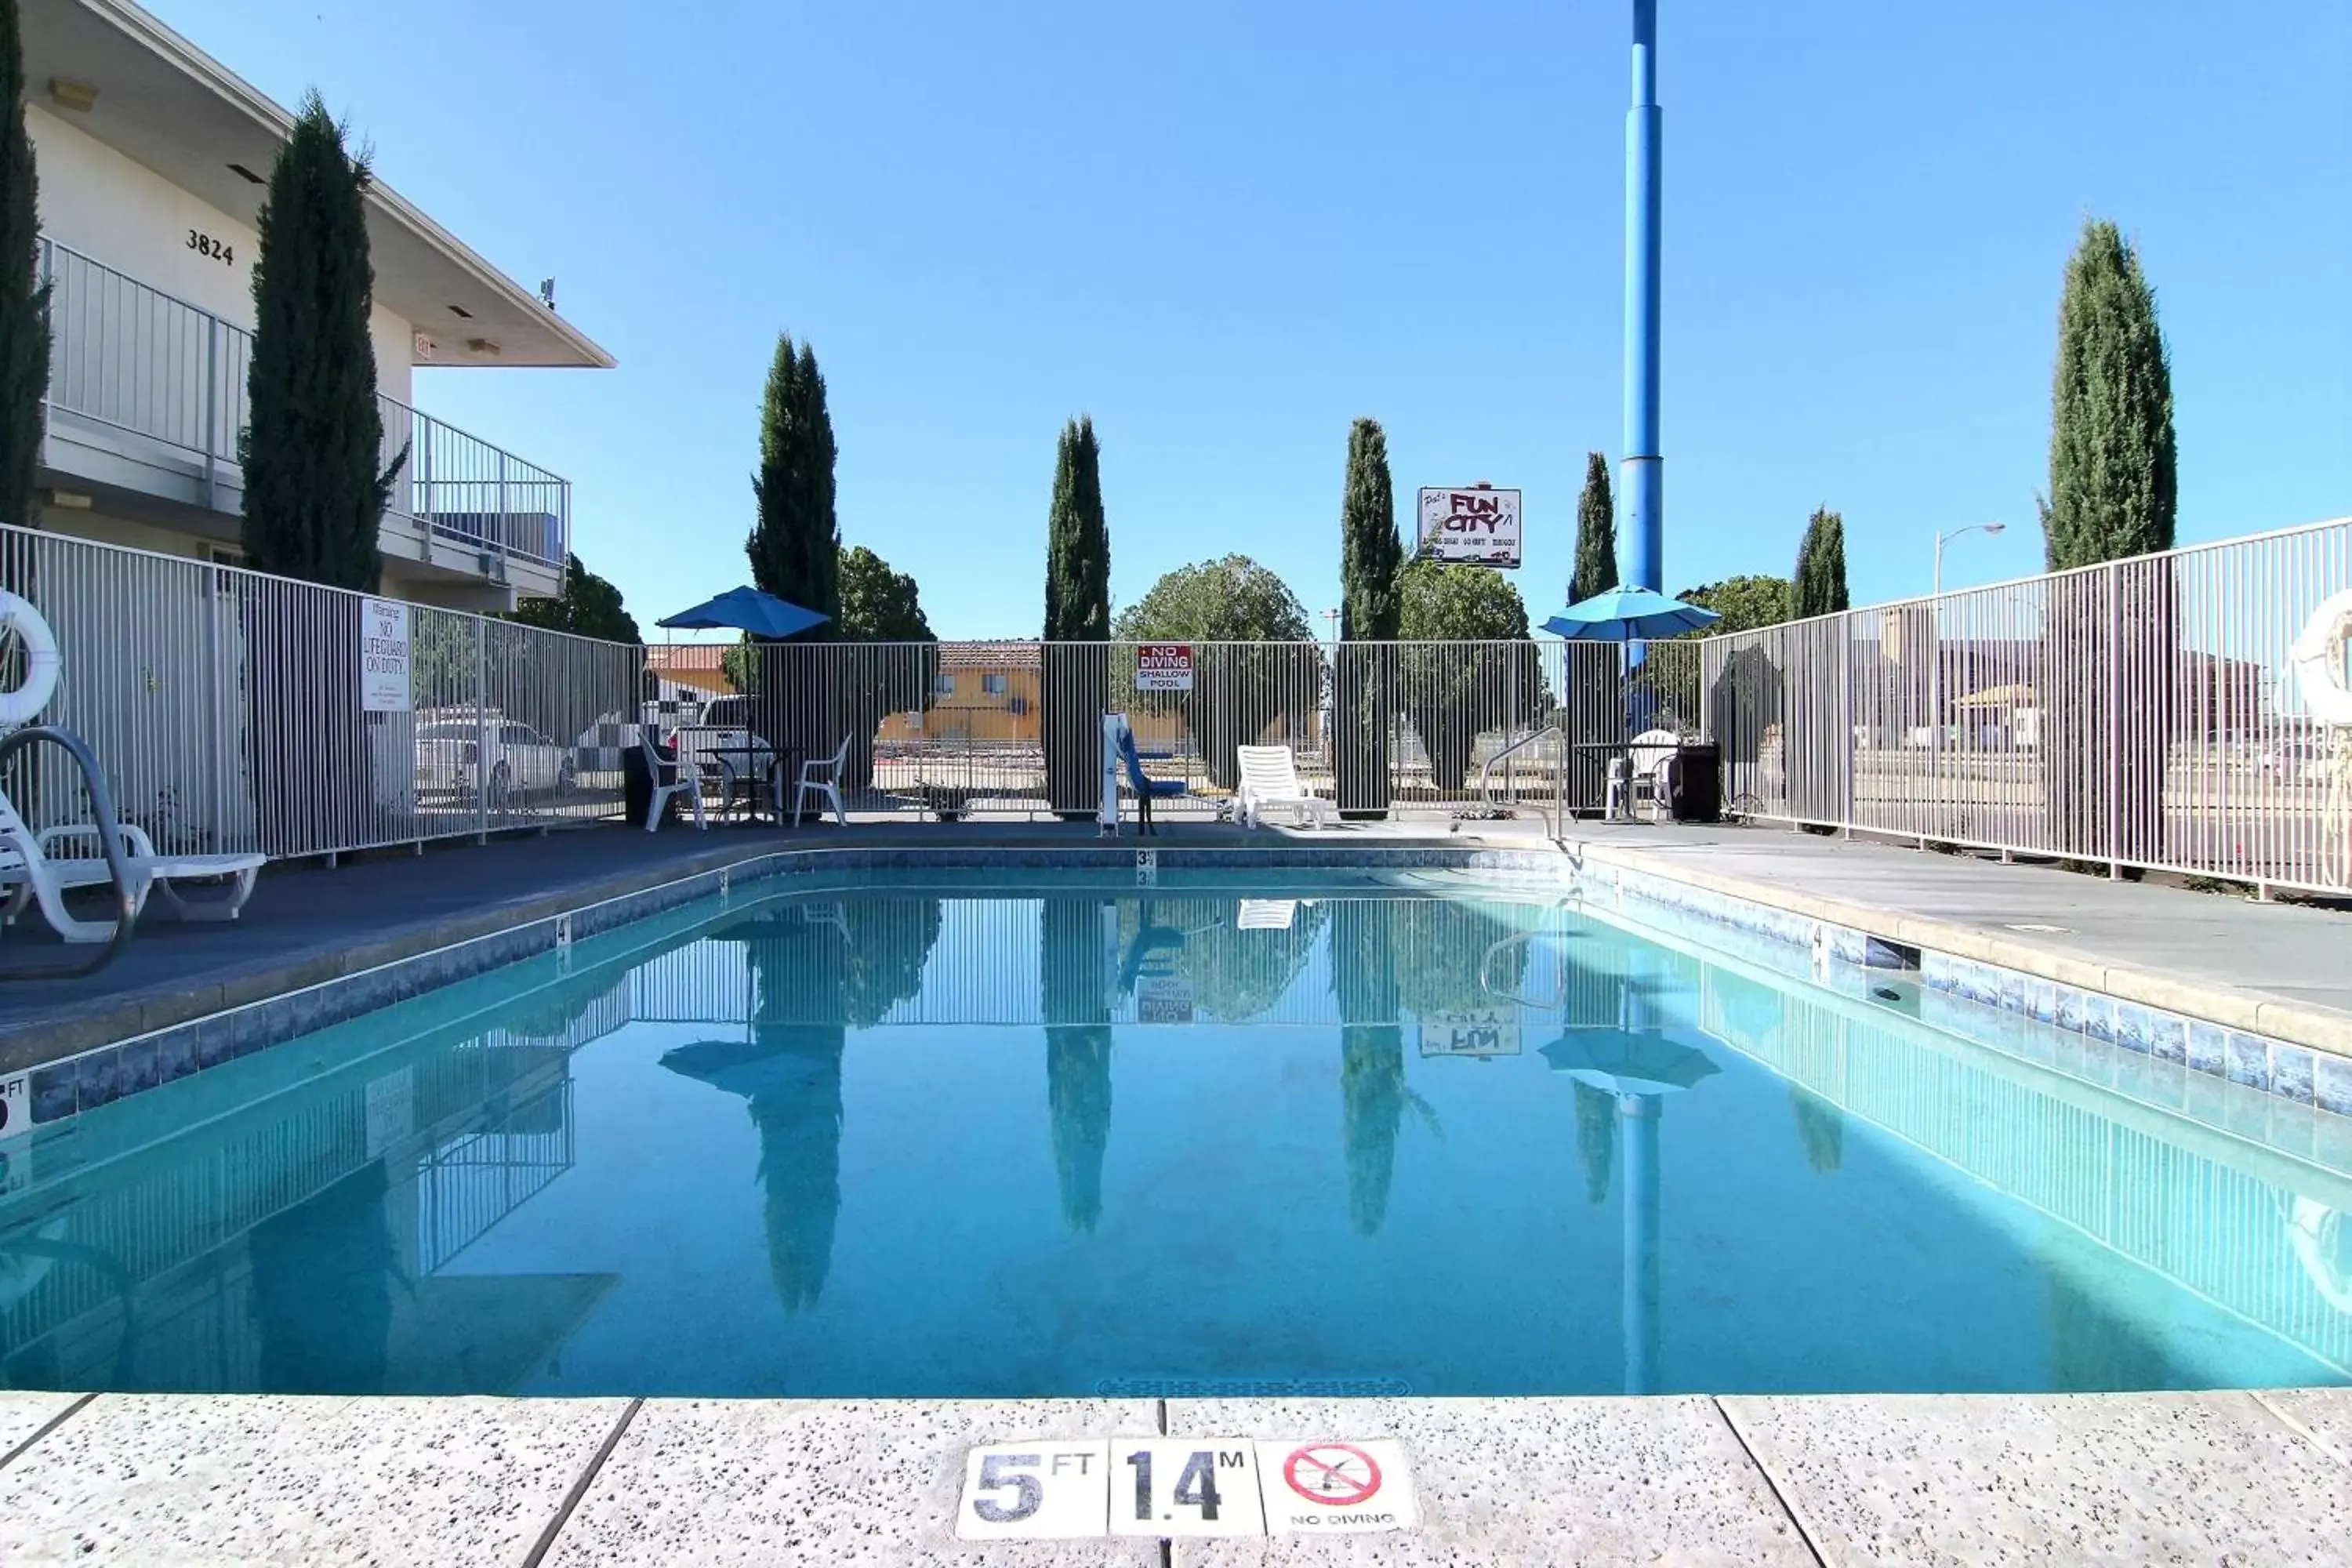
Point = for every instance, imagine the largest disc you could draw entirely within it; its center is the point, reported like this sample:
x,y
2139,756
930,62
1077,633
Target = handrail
x,y
109,833
1487,775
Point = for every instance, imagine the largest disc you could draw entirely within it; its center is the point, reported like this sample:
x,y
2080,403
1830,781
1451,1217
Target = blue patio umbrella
x,y
1628,1061
1627,614
747,609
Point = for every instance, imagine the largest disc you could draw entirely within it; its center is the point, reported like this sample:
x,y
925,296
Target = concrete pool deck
x,y
2235,1477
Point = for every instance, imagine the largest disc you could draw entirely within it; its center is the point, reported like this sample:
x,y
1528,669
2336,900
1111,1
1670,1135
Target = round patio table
x,y
743,763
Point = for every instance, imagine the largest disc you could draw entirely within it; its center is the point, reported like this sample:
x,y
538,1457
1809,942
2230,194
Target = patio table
x,y
778,756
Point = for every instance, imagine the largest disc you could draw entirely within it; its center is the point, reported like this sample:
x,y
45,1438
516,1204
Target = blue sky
x,y
1226,229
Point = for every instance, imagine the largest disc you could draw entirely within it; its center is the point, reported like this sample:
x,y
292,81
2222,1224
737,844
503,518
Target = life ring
x,y
2317,661
42,662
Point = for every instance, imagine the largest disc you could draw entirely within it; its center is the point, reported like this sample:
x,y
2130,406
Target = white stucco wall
x,y
131,219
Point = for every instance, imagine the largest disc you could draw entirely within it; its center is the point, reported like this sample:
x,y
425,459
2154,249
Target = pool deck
x,y
2256,1479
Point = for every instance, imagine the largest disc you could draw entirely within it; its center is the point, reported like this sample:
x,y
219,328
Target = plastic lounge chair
x,y
670,778
1647,757
822,779
33,874
1145,787
1270,778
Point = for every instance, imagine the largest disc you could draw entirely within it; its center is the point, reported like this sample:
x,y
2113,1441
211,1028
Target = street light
x,y
1944,538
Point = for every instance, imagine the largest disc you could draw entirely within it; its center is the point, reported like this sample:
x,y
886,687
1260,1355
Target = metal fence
x,y
146,365
2139,713
226,707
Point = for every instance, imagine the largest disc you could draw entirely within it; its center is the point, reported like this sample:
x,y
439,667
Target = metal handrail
x,y
109,835
1487,775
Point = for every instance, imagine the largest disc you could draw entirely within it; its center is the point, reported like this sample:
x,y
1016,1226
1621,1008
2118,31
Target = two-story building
x,y
152,161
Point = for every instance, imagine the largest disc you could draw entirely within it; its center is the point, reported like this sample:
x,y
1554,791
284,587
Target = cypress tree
x,y
795,543
1596,533
2113,484
2113,495
1076,670
23,302
1077,540
314,497
1371,604
1818,586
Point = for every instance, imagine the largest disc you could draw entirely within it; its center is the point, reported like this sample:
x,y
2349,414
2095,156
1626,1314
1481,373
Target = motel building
x,y
152,159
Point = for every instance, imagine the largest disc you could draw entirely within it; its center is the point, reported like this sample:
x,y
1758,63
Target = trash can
x,y
1695,783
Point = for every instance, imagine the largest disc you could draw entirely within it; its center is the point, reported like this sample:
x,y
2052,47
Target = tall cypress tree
x,y
2113,495
1818,586
1596,533
1075,668
2114,490
795,542
314,497
1372,610
1077,540
23,301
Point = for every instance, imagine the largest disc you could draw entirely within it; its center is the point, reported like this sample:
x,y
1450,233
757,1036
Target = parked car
x,y
449,758
2296,757
725,725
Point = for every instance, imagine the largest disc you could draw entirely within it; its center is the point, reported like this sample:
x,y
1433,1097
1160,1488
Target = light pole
x,y
1944,538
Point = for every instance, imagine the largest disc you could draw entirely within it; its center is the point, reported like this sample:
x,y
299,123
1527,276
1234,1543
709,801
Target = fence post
x,y
2115,723
481,730
212,409
505,518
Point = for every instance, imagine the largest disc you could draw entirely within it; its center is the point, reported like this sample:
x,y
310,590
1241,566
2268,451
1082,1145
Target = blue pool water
x,y
976,1136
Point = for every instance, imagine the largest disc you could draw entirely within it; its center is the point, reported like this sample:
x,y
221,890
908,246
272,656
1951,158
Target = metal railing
x,y
155,370
2139,713
225,709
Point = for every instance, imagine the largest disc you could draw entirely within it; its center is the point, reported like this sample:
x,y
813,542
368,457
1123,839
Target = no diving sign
x,y
1336,1489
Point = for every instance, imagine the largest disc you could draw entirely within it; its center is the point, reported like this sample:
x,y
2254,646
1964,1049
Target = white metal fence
x,y
2139,713
154,368
225,708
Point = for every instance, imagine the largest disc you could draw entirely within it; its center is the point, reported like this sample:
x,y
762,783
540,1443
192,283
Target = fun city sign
x,y
1474,527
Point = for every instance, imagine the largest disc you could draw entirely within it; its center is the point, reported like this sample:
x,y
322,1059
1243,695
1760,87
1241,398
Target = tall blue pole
x,y
1641,480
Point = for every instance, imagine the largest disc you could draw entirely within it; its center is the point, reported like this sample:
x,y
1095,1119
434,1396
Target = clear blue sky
x,y
1225,229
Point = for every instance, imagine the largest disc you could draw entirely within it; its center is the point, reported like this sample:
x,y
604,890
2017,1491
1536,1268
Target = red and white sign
x,y
1163,666
1473,527
1336,1489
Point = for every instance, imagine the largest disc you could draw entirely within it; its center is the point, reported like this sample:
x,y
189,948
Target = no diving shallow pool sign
x,y
1336,1489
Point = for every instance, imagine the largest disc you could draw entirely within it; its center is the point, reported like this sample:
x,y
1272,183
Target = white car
x,y
521,759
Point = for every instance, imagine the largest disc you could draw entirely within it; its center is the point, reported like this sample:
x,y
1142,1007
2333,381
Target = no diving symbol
x,y
1337,1475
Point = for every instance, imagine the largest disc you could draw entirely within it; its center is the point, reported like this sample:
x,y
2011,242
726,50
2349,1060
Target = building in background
x,y
152,159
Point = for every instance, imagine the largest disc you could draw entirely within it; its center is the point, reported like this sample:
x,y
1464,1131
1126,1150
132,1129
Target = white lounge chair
x,y
30,873
669,778
823,781
1270,778
1648,756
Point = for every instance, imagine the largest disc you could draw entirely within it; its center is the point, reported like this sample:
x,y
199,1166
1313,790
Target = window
x,y
993,685
943,685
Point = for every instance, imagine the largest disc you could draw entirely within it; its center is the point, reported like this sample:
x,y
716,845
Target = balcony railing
x,y
135,359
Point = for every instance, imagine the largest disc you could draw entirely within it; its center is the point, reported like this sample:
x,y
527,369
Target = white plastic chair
x,y
1649,754
30,872
1270,778
822,779
670,778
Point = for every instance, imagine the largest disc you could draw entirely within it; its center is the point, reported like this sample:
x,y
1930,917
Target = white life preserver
x,y
2317,660
42,662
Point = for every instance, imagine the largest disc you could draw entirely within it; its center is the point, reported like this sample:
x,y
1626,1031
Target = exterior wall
x,y
77,524
124,215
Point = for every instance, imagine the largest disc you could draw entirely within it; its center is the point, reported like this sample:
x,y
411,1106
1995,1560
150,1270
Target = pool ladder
x,y
109,835
1486,775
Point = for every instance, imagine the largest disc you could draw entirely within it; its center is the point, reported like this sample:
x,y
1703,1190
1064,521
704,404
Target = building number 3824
x,y
206,244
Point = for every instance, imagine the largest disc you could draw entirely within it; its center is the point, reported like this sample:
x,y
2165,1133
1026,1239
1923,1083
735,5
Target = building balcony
x,y
147,400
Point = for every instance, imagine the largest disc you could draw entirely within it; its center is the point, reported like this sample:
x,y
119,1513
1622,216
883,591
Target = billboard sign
x,y
1163,666
1474,527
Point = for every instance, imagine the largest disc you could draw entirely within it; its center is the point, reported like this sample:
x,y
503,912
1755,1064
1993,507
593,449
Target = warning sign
x,y
1330,1488
1163,666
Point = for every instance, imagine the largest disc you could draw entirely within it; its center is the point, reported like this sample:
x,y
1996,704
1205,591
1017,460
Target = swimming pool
x,y
1029,1135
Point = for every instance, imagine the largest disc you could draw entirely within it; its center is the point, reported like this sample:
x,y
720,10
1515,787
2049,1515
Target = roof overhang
x,y
165,103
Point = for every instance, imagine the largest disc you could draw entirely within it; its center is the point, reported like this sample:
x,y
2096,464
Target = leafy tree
x,y
588,606
1077,541
1745,603
1452,695
1596,533
1369,557
23,302
1666,687
2114,494
795,545
1228,610
878,604
1077,678
1818,586
314,499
